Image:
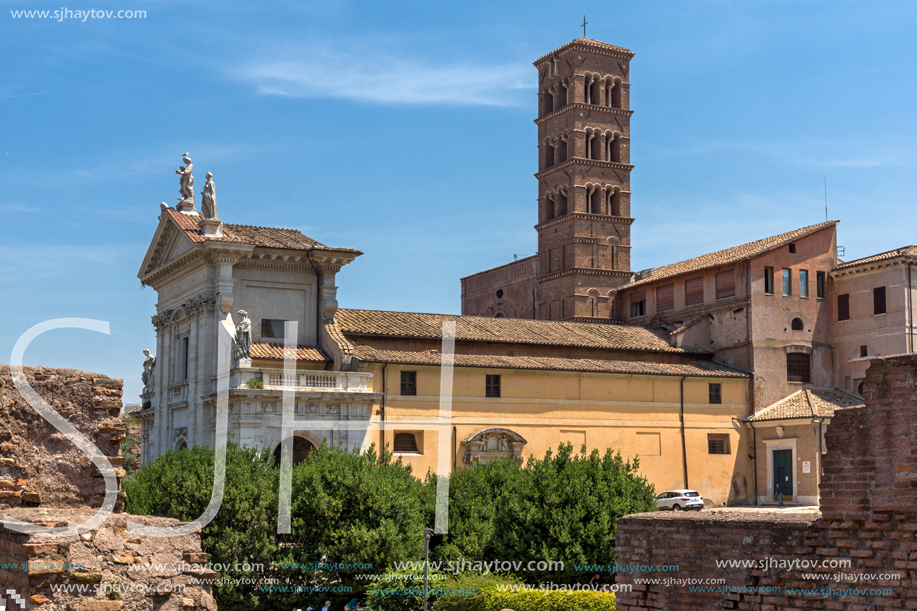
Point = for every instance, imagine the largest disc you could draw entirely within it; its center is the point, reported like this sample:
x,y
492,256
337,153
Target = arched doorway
x,y
301,449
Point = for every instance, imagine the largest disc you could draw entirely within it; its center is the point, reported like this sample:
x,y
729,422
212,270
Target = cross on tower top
x,y
584,26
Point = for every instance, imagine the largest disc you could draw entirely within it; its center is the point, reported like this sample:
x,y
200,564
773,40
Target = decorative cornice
x,y
586,216
584,271
612,165
871,267
583,106
162,319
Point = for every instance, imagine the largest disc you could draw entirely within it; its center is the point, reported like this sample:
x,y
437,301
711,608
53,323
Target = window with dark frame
x,y
409,383
405,442
864,351
185,359
804,283
272,329
820,285
878,300
718,444
798,367
843,306
797,325
793,248
638,304
715,393
769,280
787,282
492,386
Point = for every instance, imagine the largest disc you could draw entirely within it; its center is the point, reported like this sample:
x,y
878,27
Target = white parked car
x,y
677,500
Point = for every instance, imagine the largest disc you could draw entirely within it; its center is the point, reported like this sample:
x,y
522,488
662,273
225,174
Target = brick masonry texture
x,y
39,465
108,557
868,517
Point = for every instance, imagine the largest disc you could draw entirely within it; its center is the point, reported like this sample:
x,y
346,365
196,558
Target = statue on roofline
x,y
186,182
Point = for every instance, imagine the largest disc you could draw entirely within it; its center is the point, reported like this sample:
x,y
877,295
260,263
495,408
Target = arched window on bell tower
x,y
614,147
548,154
614,201
561,151
560,203
547,102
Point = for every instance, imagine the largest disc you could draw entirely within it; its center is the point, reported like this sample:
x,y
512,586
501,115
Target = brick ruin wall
x,y
45,479
868,521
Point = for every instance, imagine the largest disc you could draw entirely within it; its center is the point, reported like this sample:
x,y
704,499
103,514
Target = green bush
x,y
178,485
255,383
563,509
494,599
401,590
469,590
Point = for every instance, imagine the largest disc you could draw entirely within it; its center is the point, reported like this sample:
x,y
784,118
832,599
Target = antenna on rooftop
x,y
826,199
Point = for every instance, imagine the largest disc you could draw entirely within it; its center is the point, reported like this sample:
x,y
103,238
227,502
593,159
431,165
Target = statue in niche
x,y
149,365
209,199
504,442
186,182
244,337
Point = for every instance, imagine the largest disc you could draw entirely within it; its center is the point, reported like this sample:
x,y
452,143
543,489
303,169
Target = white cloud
x,y
374,77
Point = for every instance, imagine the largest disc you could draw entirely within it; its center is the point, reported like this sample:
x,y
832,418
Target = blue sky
x,y
405,129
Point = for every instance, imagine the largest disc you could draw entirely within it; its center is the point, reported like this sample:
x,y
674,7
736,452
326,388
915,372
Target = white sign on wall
x,y
806,466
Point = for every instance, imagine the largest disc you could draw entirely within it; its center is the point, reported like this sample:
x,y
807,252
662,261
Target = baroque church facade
x,y
670,365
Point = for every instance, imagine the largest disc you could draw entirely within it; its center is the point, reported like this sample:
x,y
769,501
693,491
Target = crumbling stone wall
x,y
107,569
45,479
868,519
38,465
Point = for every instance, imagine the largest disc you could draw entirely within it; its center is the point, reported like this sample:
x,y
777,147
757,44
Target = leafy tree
x,y
564,507
178,485
356,509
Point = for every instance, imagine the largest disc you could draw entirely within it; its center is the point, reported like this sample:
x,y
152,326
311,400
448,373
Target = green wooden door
x,y
783,473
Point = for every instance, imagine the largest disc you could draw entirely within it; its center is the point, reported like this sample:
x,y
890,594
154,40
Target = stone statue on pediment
x,y
186,183
243,337
149,366
209,199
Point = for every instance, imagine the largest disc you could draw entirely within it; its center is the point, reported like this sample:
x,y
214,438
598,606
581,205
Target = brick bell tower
x,y
583,180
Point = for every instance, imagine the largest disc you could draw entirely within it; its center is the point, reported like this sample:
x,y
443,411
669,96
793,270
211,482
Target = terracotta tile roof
x,y
589,42
727,256
267,237
433,357
304,353
905,251
502,330
808,403
486,271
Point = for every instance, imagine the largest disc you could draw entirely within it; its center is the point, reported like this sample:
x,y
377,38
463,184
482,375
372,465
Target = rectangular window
x,y
793,249
184,359
726,284
409,383
272,329
694,291
718,444
878,300
638,304
843,306
864,351
665,298
787,282
769,280
492,388
804,283
798,367
820,285
405,442
715,393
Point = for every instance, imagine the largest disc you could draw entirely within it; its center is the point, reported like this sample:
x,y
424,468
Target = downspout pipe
x,y
684,449
382,428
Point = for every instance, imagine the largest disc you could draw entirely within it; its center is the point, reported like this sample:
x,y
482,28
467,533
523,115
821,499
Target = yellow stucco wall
x,y
636,414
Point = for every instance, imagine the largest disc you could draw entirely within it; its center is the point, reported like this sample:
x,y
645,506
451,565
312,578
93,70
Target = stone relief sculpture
x,y
186,182
489,444
209,199
244,337
149,366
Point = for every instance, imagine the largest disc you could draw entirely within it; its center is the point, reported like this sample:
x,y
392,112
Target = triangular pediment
x,y
169,244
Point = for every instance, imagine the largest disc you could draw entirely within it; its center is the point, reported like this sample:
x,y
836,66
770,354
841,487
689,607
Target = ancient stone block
x,y
7,462
123,557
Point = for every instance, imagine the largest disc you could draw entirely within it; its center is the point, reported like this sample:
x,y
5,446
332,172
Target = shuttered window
x,y
878,300
694,291
665,298
820,285
769,280
726,284
843,306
